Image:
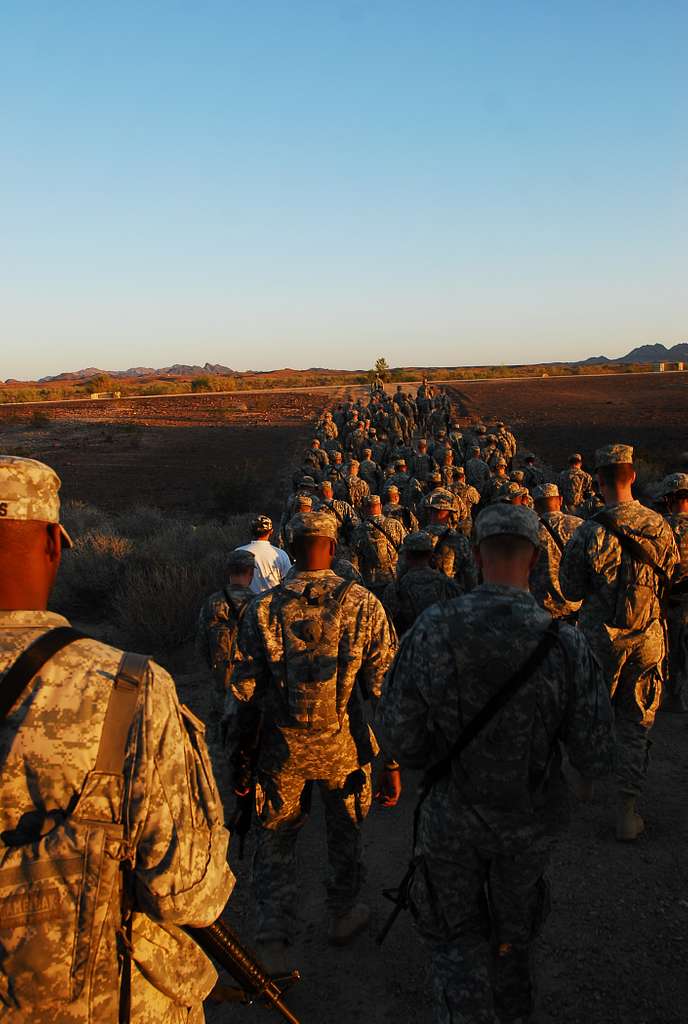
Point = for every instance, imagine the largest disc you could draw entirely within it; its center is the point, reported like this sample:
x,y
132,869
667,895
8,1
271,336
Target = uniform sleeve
x,y
588,730
573,568
174,814
249,674
404,721
381,645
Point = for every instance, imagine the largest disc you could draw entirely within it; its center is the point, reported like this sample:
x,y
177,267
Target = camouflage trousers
x,y
677,679
633,668
479,912
283,804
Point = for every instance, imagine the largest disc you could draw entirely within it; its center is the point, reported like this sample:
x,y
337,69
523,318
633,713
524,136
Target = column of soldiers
x,y
555,611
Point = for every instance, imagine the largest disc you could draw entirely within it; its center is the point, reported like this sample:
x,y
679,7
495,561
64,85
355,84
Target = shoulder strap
x,y
371,522
120,712
495,704
629,544
555,536
31,661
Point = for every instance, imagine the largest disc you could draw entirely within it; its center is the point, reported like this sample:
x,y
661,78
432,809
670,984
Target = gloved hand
x,y
389,787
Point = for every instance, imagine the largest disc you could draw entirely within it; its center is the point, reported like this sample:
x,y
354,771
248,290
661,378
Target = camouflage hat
x,y
307,481
517,475
435,477
614,455
422,441
304,500
674,483
371,499
504,519
367,451
459,471
354,462
241,559
501,461
576,457
392,489
314,524
261,524
481,428
418,542
29,491
546,491
441,500
398,463
336,455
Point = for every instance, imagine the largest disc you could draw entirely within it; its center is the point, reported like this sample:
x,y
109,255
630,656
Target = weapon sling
x,y
631,546
555,537
400,895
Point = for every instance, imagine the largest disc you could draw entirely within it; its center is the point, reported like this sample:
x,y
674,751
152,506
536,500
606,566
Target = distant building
x,y
105,394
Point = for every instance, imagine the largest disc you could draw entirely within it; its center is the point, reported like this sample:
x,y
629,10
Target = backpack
x,y
639,581
310,628
59,886
382,554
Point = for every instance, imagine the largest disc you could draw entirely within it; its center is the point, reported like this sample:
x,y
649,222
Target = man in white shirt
x,y
272,564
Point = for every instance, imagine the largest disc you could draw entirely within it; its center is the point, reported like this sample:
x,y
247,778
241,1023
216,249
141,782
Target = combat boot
x,y
629,824
273,957
344,928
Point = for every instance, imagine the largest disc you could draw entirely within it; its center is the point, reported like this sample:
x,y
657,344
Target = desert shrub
x,y
241,491
81,518
40,419
201,384
89,574
141,521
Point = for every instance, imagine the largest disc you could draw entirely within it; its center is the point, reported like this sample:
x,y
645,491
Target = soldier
x,y
399,479
469,498
497,485
100,763
419,586
272,563
327,428
220,616
352,488
616,564
310,653
675,491
343,512
422,463
483,838
370,471
532,475
477,470
375,546
556,530
452,554
394,508
575,485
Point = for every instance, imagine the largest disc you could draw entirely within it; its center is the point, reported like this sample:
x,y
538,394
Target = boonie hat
x,y
674,483
29,491
614,455
503,519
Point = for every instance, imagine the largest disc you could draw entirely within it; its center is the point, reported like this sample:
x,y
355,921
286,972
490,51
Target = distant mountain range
x,y
178,370
645,354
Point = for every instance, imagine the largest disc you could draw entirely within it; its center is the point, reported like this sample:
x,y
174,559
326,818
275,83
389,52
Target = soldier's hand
x,y
389,789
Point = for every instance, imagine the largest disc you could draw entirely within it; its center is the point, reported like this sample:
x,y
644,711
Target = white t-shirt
x,y
272,565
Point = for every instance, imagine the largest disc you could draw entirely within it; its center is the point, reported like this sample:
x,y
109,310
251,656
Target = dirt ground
x,y
560,415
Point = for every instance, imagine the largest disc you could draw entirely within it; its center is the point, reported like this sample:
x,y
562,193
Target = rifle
x,y
219,941
244,763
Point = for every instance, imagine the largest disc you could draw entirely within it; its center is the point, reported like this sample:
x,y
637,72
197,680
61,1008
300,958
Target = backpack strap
x,y
120,712
31,661
630,545
555,536
371,522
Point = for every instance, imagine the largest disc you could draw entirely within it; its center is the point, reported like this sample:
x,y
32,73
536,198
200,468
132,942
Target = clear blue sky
x,y
319,182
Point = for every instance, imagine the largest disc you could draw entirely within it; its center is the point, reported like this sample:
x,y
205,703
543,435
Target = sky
x,y
322,182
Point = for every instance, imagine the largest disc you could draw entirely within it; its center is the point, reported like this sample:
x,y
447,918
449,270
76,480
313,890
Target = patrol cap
x,y
441,500
398,463
576,457
392,489
614,455
423,442
354,462
500,461
459,471
419,542
261,524
304,500
314,524
674,483
367,451
546,491
29,491
500,520
240,559
371,499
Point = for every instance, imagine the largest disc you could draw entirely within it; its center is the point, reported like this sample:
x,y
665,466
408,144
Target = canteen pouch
x,y
171,961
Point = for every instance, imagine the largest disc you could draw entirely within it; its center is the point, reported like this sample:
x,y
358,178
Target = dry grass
x,y
144,572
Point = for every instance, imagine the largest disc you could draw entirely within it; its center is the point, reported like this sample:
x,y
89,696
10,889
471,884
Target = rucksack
x,y
59,887
640,581
382,551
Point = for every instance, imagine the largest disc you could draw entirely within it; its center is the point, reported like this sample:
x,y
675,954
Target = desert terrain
x,y
613,950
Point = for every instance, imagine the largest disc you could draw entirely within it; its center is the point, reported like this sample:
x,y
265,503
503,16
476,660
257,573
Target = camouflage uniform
x,y
575,487
310,652
532,477
556,530
418,588
165,802
677,609
615,589
352,490
479,895
453,555
375,550
345,517
477,473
